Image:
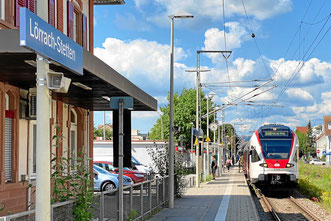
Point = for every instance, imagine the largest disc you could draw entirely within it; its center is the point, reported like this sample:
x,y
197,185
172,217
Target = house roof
x,y
302,129
104,80
327,122
319,136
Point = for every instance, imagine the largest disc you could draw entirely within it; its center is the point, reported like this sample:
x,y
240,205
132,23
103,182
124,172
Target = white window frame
x,y
73,128
74,28
7,101
2,9
329,125
32,153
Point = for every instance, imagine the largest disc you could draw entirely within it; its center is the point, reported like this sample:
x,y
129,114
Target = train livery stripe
x,y
258,140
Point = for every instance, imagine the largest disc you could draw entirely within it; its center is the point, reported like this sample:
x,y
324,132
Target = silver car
x,y
105,181
317,162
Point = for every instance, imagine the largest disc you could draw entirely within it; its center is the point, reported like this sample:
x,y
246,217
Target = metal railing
x,y
140,200
59,211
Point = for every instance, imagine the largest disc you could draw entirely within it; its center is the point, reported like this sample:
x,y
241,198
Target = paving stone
x,y
226,198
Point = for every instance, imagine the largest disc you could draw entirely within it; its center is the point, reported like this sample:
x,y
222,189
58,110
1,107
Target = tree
x,y
302,137
310,141
184,114
98,132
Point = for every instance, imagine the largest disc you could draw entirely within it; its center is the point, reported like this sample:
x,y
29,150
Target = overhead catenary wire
x,y
255,41
302,61
224,34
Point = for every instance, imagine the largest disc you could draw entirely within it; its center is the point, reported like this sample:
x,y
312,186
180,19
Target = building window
x,y
32,149
74,22
73,137
74,31
2,9
9,117
329,126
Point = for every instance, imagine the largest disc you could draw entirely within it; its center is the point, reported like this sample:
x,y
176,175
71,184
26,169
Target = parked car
x,y
317,162
135,175
105,181
140,167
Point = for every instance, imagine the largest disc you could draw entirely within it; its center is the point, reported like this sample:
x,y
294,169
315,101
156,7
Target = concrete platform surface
x,y
226,198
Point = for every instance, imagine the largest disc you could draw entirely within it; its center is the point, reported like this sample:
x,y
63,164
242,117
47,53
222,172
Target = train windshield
x,y
276,148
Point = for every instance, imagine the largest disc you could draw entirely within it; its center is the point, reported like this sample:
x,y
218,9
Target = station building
x,y
71,112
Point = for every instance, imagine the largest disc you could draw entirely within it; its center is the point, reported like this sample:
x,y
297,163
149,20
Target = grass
x,y
315,182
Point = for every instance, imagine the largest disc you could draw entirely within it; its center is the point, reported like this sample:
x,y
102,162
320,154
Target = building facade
x,y
327,132
18,107
71,114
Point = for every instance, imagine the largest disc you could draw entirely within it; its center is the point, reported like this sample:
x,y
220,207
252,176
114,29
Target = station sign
x,y
39,36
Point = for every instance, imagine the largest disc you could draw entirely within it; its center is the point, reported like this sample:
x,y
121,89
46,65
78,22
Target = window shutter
x,y
70,20
30,5
9,115
84,18
18,4
51,12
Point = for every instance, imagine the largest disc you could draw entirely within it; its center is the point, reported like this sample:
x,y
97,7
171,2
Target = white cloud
x,y
140,3
311,72
145,63
298,93
214,38
162,100
326,95
211,9
144,114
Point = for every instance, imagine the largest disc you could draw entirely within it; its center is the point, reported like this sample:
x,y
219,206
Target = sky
x,y
287,41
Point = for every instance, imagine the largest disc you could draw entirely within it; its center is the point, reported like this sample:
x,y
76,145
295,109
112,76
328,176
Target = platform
x,y
226,198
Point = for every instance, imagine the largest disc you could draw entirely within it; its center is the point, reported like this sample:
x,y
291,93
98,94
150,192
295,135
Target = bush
x,y
309,189
160,157
326,197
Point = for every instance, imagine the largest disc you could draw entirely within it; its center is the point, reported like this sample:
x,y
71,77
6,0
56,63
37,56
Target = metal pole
x,y
217,127
219,160
171,125
191,152
197,183
104,125
43,189
120,159
43,184
207,135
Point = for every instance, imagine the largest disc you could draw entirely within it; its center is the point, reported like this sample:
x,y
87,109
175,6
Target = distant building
x,y
302,129
327,133
107,126
320,143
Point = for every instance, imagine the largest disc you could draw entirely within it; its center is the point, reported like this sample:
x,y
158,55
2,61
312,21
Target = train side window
x,y
254,156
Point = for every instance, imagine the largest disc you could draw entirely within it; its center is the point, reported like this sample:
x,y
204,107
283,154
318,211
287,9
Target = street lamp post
x,y
171,117
191,152
209,96
197,83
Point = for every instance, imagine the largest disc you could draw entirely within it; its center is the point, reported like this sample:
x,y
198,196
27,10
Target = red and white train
x,y
271,156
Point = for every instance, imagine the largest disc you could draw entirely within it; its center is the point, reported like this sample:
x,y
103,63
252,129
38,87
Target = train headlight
x,y
263,165
289,165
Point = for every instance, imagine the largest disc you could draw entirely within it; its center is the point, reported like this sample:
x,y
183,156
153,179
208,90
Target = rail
x,y
140,201
305,209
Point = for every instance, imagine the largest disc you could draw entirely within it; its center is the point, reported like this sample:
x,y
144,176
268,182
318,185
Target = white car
x,y
317,162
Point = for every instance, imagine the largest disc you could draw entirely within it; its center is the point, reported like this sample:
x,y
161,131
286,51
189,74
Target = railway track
x,y
284,208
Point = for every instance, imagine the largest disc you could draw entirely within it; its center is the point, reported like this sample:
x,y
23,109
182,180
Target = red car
x,y
135,175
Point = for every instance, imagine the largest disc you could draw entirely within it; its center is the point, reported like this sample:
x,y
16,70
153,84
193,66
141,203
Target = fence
x,y
140,200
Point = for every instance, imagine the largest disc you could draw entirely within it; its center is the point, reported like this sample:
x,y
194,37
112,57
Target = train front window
x,y
276,149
